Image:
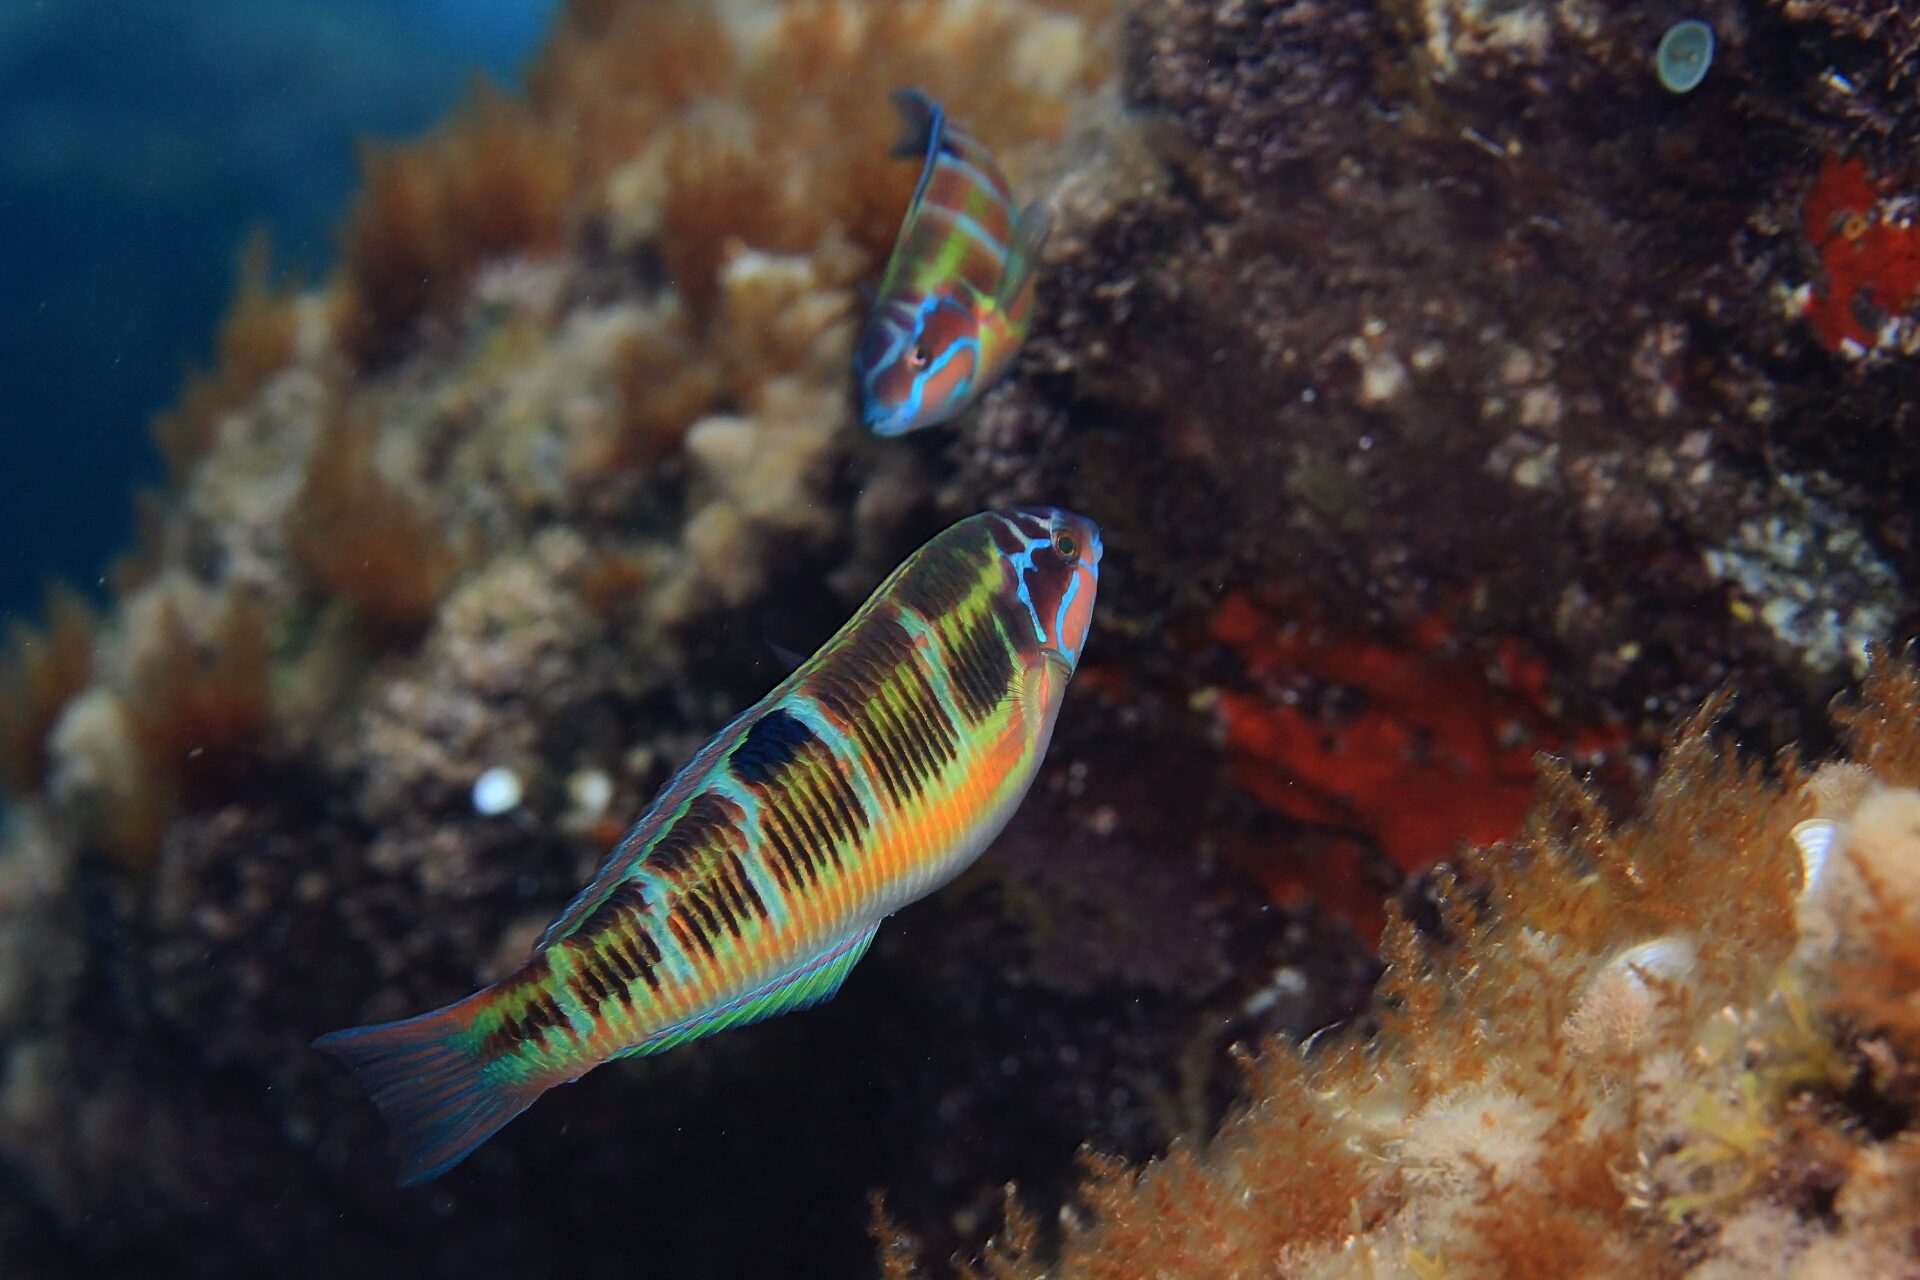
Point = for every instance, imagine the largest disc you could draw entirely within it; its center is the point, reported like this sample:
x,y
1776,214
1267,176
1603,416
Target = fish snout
x,y
883,419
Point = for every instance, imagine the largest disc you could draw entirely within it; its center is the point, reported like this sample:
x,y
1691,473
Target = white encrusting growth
x,y
1617,1009
1811,575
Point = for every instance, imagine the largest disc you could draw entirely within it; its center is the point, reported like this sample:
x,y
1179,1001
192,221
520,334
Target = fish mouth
x,y
881,421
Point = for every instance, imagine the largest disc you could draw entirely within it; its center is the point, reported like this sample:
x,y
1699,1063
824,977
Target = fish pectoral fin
x,y
1030,233
1040,688
815,980
788,659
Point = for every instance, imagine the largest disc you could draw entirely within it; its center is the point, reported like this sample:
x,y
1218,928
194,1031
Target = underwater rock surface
x,y
1680,1045
1447,390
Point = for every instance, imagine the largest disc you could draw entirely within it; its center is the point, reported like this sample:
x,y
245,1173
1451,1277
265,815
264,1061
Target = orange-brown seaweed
x,y
489,184
256,340
40,672
194,711
665,383
363,538
1601,1062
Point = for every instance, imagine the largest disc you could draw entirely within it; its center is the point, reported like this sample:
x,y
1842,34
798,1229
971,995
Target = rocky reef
x,y
1449,391
1681,1045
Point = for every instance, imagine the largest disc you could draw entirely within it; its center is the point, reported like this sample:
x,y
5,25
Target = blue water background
x,y
140,142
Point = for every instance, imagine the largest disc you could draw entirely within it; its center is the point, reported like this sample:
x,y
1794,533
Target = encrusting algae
x,y
1687,1044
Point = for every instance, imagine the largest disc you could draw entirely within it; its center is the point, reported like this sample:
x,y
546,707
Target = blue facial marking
x,y
1022,563
904,416
909,410
912,407
1060,619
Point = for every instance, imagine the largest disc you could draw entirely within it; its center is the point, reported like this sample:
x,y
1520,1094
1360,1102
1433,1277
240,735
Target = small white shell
x,y
1619,1004
497,791
1815,838
1665,958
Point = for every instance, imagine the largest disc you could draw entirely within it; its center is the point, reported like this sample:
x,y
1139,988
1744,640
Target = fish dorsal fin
x,y
924,128
618,866
660,816
1030,233
814,980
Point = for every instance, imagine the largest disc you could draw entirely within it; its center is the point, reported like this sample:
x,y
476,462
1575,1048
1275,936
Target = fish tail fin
x,y
922,121
428,1080
1030,232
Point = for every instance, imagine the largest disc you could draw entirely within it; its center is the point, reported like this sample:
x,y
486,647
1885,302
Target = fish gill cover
x,y
1446,389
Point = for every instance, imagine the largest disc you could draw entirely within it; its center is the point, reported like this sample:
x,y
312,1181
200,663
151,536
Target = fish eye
x,y
918,357
1065,547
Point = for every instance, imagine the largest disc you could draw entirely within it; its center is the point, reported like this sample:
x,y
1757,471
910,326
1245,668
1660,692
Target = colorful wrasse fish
x,y
869,777
956,299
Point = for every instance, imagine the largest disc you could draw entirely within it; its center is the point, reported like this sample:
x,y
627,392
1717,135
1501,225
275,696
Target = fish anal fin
x,y
815,980
1030,232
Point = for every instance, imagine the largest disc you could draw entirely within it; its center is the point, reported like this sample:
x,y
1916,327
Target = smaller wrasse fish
x,y
956,299
871,776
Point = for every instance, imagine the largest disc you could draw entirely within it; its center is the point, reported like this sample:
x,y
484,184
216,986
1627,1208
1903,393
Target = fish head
x,y
918,364
1053,562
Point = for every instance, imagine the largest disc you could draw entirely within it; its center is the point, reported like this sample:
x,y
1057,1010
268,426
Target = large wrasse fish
x,y
956,299
873,774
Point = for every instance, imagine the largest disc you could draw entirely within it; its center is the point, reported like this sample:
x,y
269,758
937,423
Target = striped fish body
x,y
873,774
956,299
